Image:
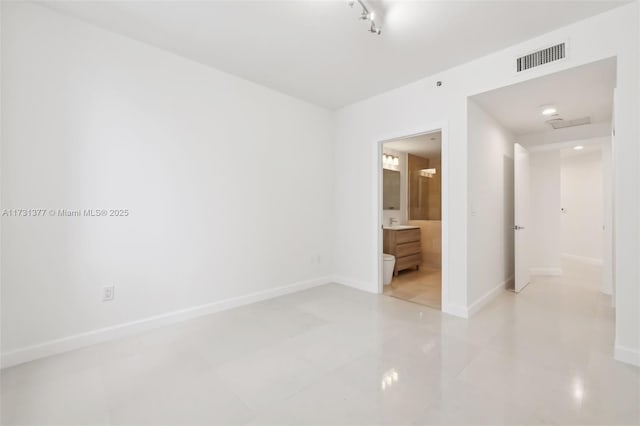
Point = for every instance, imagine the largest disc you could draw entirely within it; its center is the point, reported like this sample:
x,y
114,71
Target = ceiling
x,y
585,91
428,145
318,50
586,150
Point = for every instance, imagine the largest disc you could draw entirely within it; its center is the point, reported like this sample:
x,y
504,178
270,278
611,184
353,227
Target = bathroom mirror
x,y
391,190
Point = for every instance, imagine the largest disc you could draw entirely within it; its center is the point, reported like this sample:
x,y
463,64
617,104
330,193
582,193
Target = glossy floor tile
x,y
423,286
337,356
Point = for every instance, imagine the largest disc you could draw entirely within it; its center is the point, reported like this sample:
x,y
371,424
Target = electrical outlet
x,y
108,293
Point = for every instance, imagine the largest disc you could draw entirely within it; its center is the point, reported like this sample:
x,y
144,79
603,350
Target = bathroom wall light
x,y
429,173
548,110
578,147
367,15
390,162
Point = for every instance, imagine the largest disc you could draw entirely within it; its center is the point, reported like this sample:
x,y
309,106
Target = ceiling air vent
x,y
559,123
541,57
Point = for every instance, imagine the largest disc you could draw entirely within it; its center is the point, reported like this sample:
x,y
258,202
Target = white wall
x,y
607,218
421,105
229,184
626,194
581,191
545,213
491,198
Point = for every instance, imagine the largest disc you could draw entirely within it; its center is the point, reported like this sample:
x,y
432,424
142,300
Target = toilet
x,y
389,262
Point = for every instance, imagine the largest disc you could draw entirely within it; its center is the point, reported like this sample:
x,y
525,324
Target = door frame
x,y
377,187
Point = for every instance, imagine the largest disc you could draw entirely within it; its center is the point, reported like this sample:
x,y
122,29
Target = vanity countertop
x,y
400,227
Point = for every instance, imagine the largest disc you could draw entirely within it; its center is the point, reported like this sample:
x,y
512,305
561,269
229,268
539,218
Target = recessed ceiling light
x,y
549,110
578,147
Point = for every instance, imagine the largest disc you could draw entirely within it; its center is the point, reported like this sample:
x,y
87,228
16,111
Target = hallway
x,y
334,355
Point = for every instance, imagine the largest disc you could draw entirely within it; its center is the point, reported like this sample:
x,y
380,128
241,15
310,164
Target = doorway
x,y
411,216
560,128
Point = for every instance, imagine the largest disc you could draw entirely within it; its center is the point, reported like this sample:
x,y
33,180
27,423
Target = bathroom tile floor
x,y
423,286
337,356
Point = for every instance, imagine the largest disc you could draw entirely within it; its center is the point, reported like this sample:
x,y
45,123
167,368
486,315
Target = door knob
x,y
517,228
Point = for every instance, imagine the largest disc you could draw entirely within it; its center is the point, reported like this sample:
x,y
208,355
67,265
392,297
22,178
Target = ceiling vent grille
x,y
559,123
541,57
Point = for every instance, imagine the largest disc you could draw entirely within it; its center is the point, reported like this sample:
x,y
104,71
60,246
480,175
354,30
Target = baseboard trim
x,y
80,340
627,355
545,271
583,259
456,311
358,285
483,301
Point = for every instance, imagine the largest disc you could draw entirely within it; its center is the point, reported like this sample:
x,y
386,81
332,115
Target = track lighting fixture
x,y
367,15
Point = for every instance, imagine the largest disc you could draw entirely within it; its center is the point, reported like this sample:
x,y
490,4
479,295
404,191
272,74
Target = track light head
x,y
367,15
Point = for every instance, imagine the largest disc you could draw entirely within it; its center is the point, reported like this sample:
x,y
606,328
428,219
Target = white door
x,y
522,199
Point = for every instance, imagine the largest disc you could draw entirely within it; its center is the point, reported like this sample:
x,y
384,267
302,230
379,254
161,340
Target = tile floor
x,y
422,286
337,356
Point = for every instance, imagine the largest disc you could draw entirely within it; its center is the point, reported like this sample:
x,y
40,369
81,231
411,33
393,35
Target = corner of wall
x,y
545,271
627,355
358,285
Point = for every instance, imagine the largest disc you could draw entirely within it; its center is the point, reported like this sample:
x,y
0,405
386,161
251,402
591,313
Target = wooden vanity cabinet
x,y
404,244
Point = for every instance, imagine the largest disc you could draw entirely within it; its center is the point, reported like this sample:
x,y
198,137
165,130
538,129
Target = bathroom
x,y
411,219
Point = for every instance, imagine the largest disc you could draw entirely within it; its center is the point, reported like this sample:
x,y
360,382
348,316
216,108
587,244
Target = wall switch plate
x,y
108,293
